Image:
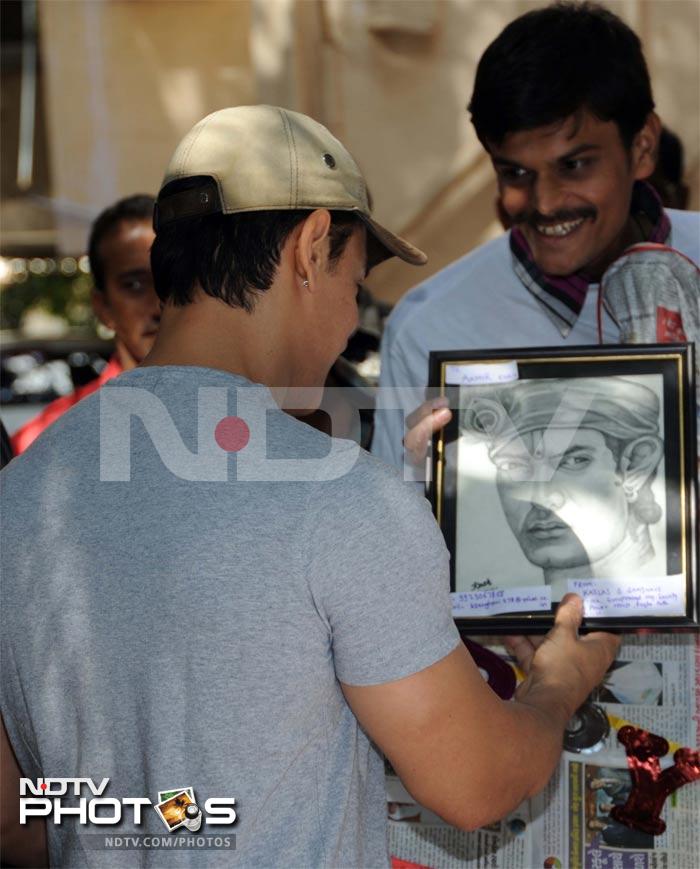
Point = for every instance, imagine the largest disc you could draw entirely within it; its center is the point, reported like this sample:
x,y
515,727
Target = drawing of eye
x,y
575,462
516,468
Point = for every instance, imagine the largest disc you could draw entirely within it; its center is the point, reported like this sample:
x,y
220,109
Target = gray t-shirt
x,y
170,621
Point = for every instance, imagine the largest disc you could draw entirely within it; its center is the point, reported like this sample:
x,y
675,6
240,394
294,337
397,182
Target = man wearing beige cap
x,y
244,618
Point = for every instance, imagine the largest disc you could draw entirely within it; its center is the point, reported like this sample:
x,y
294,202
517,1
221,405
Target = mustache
x,y
535,218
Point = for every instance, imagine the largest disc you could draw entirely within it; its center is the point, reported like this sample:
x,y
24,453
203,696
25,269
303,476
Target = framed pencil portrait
x,y
568,470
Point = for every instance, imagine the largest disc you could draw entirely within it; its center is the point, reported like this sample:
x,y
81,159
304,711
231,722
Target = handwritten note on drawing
x,y
606,598
494,601
477,373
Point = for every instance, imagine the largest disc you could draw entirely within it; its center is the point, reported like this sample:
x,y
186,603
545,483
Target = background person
x,y
123,299
667,178
319,606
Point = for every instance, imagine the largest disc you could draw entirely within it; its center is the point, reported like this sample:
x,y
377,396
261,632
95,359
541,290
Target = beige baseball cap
x,y
264,158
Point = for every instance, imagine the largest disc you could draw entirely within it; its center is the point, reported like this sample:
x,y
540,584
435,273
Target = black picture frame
x,y
518,485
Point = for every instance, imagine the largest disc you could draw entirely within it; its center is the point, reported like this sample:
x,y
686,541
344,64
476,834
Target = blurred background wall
x,y
96,93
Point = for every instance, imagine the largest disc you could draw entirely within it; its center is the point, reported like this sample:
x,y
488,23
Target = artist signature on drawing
x,y
486,583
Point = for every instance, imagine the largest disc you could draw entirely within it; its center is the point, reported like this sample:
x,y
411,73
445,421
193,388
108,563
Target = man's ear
x,y
312,247
638,462
101,308
645,147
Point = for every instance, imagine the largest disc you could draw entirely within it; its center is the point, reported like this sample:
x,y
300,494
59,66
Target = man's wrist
x,y
557,702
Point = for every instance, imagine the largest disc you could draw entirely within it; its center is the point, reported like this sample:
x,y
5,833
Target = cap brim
x,y
393,244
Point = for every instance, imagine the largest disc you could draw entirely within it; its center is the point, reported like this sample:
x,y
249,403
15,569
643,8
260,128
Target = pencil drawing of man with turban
x,y
575,460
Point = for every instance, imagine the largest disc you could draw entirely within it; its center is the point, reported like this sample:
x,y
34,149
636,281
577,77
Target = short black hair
x,y
233,257
555,62
667,177
136,207
670,162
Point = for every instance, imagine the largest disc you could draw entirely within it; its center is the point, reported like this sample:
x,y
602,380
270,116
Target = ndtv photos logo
x,y
58,799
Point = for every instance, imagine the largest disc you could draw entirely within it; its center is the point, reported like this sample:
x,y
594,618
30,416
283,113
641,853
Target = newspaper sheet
x,y
653,684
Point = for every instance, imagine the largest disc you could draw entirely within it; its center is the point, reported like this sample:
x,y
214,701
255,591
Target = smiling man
x,y
123,299
567,188
575,461
562,102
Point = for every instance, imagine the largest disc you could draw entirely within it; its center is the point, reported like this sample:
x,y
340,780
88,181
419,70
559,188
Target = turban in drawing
x,y
614,406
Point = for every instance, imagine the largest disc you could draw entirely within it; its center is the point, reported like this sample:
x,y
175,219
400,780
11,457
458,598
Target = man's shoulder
x,y
374,493
338,474
369,474
685,232
457,285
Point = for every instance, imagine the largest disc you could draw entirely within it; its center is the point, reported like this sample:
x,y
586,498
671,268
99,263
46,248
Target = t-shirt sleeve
x,y
379,575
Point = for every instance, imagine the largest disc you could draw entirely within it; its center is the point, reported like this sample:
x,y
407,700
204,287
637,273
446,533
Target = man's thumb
x,y
569,614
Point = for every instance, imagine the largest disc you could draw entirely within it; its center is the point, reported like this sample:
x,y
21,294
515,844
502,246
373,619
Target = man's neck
x,y
635,230
126,359
210,334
